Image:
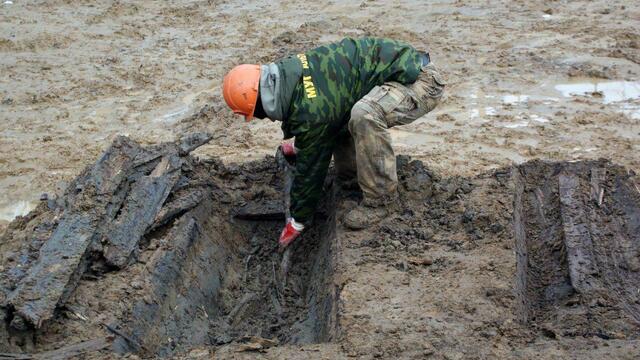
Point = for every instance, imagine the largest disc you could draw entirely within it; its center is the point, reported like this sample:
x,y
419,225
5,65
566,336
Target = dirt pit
x,y
168,264
153,252
223,283
577,230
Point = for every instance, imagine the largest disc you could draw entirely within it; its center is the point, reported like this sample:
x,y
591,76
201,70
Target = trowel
x,y
287,170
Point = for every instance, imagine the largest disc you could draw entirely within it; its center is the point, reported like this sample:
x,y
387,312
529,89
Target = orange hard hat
x,y
240,89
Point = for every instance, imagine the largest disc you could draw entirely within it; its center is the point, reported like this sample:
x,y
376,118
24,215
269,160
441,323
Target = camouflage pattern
x,y
335,77
386,106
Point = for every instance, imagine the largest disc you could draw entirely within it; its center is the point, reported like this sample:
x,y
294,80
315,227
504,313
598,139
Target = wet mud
x,y
198,270
577,231
78,75
442,279
150,239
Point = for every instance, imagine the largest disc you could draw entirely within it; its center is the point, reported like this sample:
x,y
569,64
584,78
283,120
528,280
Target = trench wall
x,y
577,235
206,270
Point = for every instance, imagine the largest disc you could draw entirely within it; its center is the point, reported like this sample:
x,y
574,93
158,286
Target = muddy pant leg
x,y
420,97
344,157
428,89
386,106
375,158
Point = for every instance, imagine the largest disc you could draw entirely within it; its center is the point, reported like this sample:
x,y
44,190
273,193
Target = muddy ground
x,y
530,261
541,79
526,80
157,245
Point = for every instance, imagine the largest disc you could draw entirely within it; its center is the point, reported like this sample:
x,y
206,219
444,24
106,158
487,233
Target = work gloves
x,y
291,231
289,152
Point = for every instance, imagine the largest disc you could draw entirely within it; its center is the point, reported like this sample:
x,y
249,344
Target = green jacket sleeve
x,y
314,151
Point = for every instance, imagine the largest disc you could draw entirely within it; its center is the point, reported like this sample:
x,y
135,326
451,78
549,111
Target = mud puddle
x,y
609,91
11,211
522,117
621,95
544,97
625,94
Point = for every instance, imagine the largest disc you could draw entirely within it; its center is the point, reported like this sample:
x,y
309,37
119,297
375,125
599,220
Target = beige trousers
x,y
367,153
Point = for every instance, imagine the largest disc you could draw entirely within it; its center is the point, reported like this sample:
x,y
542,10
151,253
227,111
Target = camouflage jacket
x,y
334,78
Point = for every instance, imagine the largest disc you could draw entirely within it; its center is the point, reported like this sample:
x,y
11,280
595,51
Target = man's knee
x,y
435,84
358,120
363,118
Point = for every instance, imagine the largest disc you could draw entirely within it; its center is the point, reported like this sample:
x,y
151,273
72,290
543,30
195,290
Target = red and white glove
x,y
291,231
288,149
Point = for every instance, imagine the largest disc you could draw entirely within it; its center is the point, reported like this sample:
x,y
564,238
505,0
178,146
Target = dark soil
x,y
197,276
181,255
578,237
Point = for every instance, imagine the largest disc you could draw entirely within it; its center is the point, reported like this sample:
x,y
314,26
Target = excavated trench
x,y
221,281
577,231
154,252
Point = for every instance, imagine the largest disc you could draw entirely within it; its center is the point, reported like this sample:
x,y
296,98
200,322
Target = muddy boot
x,y
348,184
363,215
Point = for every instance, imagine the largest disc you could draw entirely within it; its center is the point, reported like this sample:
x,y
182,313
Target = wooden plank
x,y
141,206
77,349
598,178
522,256
15,356
63,257
267,210
56,269
627,199
177,207
193,141
577,238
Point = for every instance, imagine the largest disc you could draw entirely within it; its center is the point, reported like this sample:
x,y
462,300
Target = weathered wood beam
x,y
146,197
577,238
63,257
262,210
